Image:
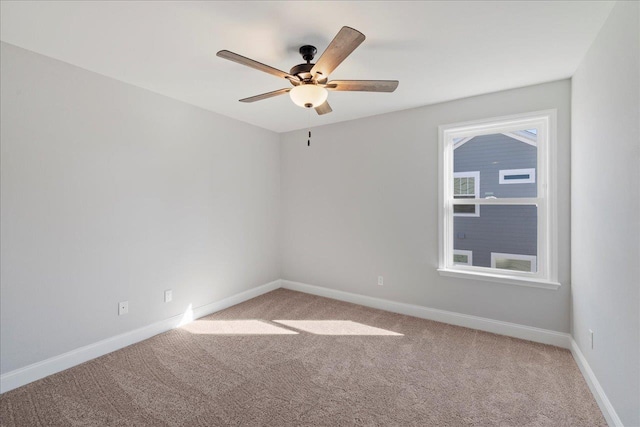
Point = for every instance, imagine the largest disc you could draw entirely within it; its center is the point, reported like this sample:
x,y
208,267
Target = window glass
x,y
492,155
502,229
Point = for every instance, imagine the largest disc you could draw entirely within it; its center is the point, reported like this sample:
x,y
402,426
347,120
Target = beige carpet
x,y
291,359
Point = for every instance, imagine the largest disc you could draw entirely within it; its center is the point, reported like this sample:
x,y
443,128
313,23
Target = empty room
x,y
320,213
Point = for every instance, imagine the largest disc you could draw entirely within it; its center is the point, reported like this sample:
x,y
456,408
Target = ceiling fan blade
x,y
255,64
324,108
363,85
345,42
266,95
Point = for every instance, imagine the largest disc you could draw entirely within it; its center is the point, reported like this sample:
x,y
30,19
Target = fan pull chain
x,y
309,127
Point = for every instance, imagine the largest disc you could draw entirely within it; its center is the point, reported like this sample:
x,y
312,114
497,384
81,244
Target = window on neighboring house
x,y
517,176
462,257
516,262
466,185
514,239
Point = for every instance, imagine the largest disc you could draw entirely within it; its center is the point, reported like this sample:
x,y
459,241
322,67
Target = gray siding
x,y
505,229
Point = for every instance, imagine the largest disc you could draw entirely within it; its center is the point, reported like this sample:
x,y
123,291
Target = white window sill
x,y
500,278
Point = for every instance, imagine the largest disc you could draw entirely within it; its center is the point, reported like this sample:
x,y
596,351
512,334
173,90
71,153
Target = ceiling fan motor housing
x,y
308,52
303,70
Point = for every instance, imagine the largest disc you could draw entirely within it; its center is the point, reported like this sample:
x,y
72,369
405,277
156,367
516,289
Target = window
x,y
514,262
514,240
462,257
466,185
517,176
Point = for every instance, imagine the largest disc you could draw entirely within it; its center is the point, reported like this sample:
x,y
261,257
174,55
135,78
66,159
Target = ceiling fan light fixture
x,y
310,80
308,95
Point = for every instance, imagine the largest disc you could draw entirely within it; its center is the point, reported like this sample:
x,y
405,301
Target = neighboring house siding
x,y
503,229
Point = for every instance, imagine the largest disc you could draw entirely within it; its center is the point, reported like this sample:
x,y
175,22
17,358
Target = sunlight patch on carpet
x,y
235,327
335,327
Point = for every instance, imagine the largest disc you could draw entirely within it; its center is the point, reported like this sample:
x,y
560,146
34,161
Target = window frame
x,y
546,275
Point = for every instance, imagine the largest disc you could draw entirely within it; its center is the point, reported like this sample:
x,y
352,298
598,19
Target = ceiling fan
x,y
310,81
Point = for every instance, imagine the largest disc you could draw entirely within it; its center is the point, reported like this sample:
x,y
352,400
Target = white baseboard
x,y
36,371
529,333
596,389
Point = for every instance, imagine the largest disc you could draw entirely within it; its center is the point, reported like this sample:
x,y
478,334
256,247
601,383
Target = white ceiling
x,y
438,51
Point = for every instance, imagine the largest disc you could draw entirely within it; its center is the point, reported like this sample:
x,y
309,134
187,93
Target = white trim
x,y
506,172
496,201
499,124
495,256
505,279
529,333
38,370
600,396
469,255
545,123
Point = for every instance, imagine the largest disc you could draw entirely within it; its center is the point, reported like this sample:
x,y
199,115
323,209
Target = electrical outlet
x,y
380,281
591,338
168,295
123,308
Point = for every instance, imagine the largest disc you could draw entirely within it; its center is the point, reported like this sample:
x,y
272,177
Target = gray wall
x,y
502,229
362,201
111,193
605,202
